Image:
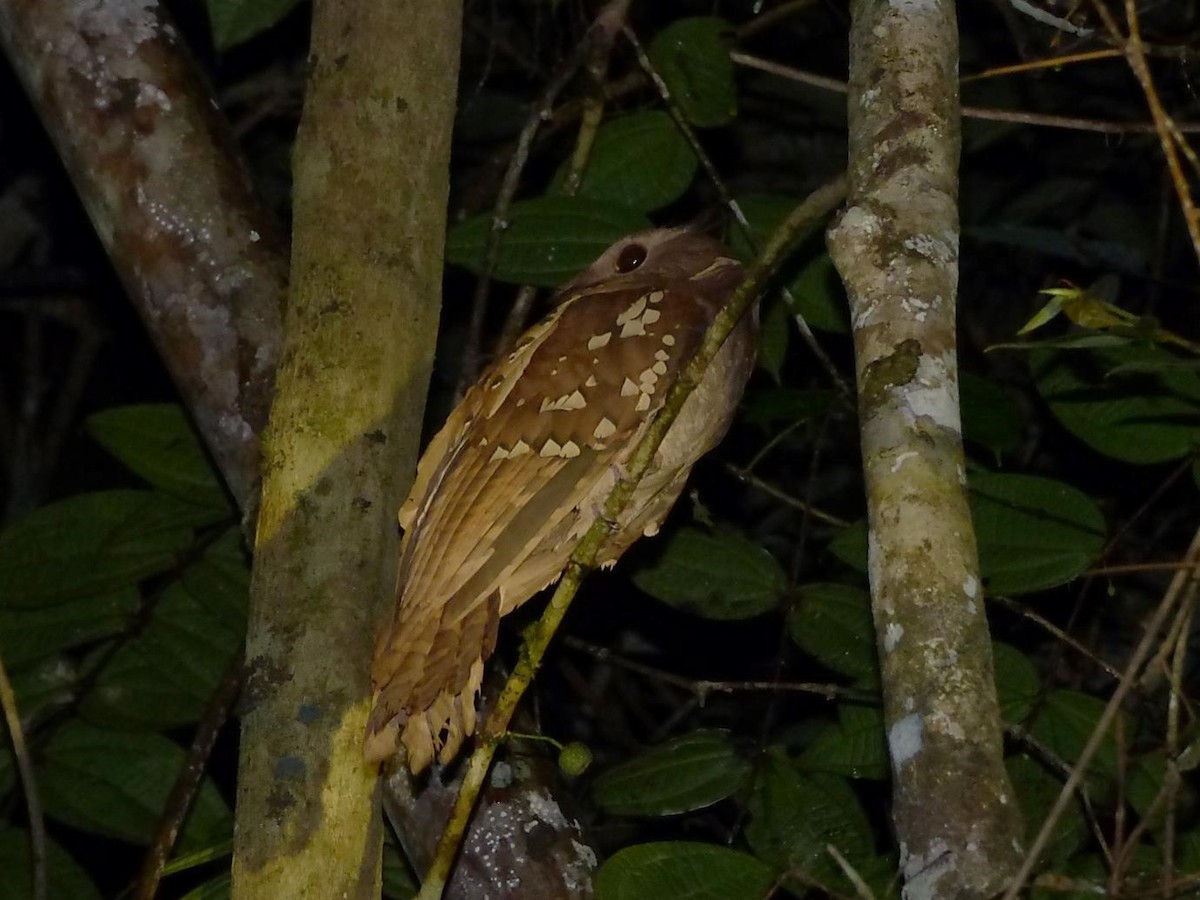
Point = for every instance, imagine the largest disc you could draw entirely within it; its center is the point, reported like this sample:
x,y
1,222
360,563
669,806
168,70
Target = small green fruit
x,y
574,758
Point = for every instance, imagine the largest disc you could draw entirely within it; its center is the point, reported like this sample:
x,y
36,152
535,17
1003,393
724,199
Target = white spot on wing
x,y
550,448
633,311
604,429
634,328
628,388
599,340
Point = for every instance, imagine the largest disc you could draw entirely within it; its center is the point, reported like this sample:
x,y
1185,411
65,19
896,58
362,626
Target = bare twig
x,y
1045,624
701,687
732,205
607,24
191,777
539,113
33,802
1100,126
747,477
1179,585
1166,127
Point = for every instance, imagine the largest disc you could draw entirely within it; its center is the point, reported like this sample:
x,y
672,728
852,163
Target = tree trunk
x,y
896,246
371,183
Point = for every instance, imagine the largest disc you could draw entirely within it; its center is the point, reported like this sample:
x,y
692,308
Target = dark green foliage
x,y
123,595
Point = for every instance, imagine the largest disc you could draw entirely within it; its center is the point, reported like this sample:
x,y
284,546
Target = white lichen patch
x,y
971,587
935,250
899,461
932,395
502,775
922,871
545,810
941,723
905,739
892,635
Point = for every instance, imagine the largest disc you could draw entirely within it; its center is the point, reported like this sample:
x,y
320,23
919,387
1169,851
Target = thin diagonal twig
x,y
33,802
1128,680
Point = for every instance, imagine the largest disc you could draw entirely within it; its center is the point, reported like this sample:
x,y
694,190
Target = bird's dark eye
x,y
631,257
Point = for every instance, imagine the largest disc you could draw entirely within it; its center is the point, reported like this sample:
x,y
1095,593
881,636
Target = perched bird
x,y
523,466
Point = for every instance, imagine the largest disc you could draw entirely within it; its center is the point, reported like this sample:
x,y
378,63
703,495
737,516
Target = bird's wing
x,y
527,446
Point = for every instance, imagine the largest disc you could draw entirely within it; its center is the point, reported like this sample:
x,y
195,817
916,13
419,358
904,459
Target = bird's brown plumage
x,y
523,465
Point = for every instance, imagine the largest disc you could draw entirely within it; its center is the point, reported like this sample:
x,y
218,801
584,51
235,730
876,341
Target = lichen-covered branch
x,y
896,247
159,176
371,162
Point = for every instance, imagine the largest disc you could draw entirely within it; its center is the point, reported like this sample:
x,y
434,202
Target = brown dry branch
x,y
984,113
896,247
187,786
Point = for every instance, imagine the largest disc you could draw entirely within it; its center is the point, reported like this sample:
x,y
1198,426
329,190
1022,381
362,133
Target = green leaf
x,y
1143,783
219,887
1036,791
854,746
398,881
91,544
1134,416
157,442
820,298
771,406
816,289
715,576
40,691
1017,682
65,877
773,339
692,56
30,635
764,213
199,857
684,774
639,160
793,815
1033,533
832,623
116,784
678,870
166,674
989,416
548,239
236,21
1064,723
